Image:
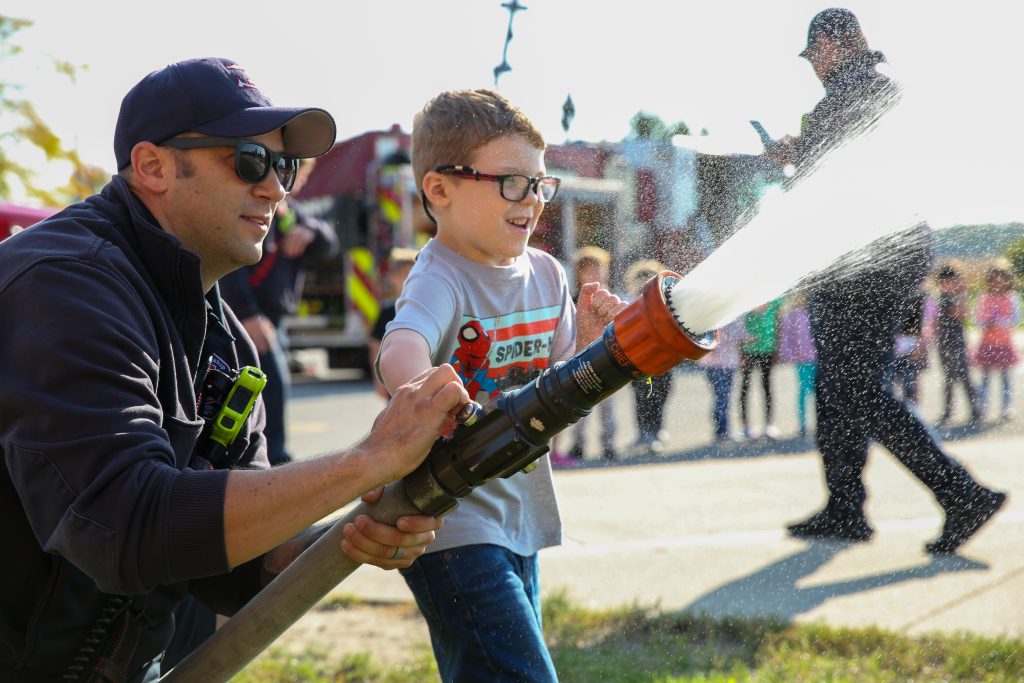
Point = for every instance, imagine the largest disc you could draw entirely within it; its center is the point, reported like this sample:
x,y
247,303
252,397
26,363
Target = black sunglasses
x,y
512,186
253,160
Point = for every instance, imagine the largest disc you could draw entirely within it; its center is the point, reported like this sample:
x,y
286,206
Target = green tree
x,y
1015,255
647,126
29,127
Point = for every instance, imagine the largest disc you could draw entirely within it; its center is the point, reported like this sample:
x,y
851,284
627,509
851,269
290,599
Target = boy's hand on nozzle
x,y
595,308
418,413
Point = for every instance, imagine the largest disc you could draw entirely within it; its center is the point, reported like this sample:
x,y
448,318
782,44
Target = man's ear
x,y
152,166
435,187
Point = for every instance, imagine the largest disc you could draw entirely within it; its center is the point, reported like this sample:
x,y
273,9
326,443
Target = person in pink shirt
x,y
796,346
997,314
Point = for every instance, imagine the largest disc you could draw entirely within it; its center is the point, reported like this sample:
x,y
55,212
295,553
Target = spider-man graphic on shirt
x,y
470,359
503,352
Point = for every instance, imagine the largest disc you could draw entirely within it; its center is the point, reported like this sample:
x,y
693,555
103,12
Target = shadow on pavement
x,y
755,449
772,591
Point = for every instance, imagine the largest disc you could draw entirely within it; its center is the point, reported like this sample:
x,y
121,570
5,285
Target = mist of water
x,y
866,189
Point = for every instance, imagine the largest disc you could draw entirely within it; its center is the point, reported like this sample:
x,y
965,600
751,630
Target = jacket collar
x,y
849,69
173,270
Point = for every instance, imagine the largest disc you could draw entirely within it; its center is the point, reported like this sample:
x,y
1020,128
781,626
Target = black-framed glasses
x,y
253,160
513,186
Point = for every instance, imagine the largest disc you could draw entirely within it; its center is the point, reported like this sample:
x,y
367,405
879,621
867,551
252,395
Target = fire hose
x,y
645,339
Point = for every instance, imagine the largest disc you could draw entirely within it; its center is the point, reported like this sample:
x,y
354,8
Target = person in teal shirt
x,y
758,351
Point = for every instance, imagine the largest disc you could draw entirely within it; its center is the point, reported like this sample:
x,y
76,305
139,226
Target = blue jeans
x,y
983,392
721,384
482,605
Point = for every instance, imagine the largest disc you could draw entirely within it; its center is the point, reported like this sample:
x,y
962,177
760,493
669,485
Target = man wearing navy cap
x,y
854,320
114,511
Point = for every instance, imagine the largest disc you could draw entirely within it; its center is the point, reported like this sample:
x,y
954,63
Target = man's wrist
x,y
365,460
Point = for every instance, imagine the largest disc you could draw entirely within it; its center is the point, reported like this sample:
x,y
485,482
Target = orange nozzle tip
x,y
650,337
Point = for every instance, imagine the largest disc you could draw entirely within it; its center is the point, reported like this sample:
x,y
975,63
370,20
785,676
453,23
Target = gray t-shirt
x,y
499,327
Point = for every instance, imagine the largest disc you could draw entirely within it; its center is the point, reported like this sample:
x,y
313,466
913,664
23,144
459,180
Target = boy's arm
x,y
404,354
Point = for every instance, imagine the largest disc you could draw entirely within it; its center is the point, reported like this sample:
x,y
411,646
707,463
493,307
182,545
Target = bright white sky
x,y
713,63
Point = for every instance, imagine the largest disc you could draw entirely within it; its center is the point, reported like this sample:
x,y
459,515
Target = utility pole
x,y
512,6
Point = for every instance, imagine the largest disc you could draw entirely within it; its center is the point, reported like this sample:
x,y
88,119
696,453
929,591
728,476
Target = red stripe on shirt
x,y
525,329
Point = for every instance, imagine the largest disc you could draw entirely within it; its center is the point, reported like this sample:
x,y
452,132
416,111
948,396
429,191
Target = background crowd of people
x,y
961,326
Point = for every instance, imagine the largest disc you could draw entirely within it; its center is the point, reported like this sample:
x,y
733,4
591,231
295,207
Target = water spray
x,y
646,339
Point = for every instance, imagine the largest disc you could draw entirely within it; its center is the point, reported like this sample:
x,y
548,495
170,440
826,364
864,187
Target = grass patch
x,y
336,601
643,644
278,666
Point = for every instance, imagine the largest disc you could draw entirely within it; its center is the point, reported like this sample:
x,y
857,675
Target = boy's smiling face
x,y
473,218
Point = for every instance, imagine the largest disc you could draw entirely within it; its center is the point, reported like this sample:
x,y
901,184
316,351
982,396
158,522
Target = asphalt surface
x,y
702,527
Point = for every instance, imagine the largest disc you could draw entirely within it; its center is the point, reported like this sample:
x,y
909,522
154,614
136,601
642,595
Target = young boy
x,y
500,313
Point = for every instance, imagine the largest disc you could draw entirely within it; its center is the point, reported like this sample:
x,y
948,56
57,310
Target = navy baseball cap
x,y
214,96
836,24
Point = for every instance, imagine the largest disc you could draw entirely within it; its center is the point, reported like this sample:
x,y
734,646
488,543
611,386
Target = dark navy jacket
x,y
887,271
105,319
856,95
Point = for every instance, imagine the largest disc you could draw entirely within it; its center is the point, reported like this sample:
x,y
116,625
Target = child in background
x,y
997,314
500,313
649,398
591,264
758,351
911,346
720,366
796,346
952,341
400,262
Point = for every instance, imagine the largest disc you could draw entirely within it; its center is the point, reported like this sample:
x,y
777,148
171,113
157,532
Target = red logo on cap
x,y
242,78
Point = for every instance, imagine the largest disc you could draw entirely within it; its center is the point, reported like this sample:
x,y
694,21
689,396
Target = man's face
x,y
824,55
217,215
479,223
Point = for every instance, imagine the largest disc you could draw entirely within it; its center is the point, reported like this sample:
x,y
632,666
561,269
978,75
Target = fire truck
x,y
15,217
363,187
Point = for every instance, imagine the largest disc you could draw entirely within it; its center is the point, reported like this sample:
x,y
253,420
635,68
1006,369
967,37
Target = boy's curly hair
x,y
455,124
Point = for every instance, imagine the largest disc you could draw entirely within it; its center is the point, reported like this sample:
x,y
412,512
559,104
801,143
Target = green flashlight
x,y
238,405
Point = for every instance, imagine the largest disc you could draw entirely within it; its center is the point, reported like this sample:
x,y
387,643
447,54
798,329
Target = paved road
x,y
701,527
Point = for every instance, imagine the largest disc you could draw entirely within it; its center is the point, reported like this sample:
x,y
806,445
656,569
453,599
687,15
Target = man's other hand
x,y
385,546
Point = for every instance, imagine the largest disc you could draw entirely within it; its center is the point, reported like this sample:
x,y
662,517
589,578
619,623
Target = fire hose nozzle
x,y
650,336
644,340
470,413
